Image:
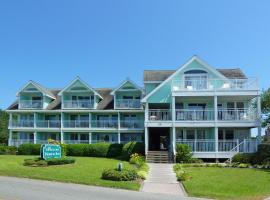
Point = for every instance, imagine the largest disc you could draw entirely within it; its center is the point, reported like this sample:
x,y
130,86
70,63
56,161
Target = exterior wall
x,y
149,87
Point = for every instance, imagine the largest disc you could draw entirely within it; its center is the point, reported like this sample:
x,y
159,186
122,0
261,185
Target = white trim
x,y
84,83
123,83
152,82
37,87
207,66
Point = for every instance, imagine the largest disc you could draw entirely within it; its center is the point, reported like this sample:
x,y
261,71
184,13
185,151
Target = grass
x,y
86,170
228,183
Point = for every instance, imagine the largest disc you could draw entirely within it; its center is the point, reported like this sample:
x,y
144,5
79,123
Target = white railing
x,y
127,141
104,141
237,114
22,124
215,84
128,103
76,141
76,123
48,123
194,115
208,145
159,115
31,104
199,145
132,124
78,104
104,123
18,142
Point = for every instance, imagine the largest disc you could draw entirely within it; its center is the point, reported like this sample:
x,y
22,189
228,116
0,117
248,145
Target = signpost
x,y
49,151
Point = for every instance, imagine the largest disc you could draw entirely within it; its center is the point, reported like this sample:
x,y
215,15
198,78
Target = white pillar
x,y
119,126
62,125
10,138
10,119
90,138
35,137
35,120
146,140
90,120
173,128
216,119
62,137
173,108
216,139
146,112
259,118
174,141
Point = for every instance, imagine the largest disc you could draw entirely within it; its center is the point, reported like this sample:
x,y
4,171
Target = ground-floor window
x,y
127,137
190,134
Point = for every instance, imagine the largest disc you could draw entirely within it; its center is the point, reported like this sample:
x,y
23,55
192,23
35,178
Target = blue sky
x,y
104,42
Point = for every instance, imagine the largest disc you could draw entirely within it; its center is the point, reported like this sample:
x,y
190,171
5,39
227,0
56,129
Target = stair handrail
x,y
233,150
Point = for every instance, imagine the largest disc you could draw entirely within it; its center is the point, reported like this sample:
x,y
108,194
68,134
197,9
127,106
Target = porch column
x,y
173,141
90,138
90,119
10,120
259,118
62,137
35,137
173,109
119,126
216,139
146,112
216,119
173,128
10,138
35,120
146,140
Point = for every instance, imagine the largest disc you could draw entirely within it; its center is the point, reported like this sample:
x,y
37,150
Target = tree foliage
x,y
265,101
3,127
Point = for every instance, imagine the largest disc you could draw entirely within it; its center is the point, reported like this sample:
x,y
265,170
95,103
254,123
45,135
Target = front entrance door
x,y
159,139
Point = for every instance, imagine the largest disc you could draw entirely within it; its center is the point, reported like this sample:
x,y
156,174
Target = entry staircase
x,y
159,157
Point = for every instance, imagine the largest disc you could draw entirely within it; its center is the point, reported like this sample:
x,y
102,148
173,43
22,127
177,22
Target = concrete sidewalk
x,y
162,180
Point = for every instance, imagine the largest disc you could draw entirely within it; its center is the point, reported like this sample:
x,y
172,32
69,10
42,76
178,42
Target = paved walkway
x,y
162,179
12,188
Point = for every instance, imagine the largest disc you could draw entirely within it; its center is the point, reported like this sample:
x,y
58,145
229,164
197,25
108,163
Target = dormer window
x,y
195,80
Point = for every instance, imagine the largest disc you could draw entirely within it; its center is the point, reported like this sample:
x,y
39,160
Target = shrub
x,y
29,149
41,163
242,158
115,175
94,150
262,156
8,150
182,175
142,174
243,165
183,153
60,161
137,159
131,148
35,162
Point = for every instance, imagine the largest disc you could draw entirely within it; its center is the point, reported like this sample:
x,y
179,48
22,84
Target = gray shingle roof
x,y
161,75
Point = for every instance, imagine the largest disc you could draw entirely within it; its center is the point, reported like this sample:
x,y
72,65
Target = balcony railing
x,y
80,104
159,115
194,115
128,103
76,141
31,104
104,141
208,145
104,123
22,124
215,84
18,142
237,114
76,124
48,124
132,124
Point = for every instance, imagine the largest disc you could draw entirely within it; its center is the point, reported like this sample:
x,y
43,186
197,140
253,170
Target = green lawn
x,y
228,183
86,170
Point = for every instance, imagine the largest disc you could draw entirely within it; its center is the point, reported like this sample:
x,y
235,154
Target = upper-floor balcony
x,y
132,124
128,103
21,124
78,104
205,84
203,115
48,123
31,104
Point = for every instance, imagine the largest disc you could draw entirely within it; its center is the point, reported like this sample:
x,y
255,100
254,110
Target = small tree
x,y
183,153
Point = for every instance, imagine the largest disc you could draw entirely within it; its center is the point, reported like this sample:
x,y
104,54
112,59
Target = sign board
x,y
49,151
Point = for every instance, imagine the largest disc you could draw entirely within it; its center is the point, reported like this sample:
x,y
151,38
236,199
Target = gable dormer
x,y
79,95
34,96
127,95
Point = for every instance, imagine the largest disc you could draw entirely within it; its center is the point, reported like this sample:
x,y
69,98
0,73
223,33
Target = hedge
x,y
8,150
90,150
29,149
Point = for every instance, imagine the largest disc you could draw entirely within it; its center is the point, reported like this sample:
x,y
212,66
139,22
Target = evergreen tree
x,y
3,127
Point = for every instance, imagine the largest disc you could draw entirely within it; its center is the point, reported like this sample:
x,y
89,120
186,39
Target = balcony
x,y
76,141
194,115
237,114
31,104
22,124
160,115
128,103
48,124
76,124
215,85
132,124
78,104
208,145
104,123
18,142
